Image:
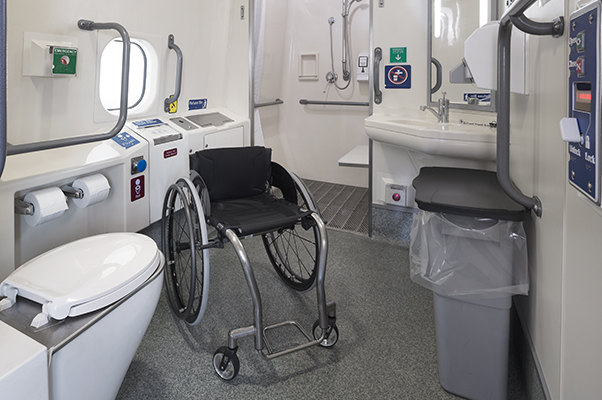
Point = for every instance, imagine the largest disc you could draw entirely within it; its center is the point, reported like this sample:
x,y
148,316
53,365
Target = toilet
x,y
72,318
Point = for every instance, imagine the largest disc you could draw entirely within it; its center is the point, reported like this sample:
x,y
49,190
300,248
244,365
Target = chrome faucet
x,y
443,114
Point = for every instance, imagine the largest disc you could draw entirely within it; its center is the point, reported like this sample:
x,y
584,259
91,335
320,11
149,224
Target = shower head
x,y
347,6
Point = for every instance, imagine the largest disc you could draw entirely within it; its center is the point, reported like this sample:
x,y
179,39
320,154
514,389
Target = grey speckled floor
x,y
386,348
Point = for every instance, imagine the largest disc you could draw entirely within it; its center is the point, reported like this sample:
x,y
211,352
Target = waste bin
x,y
468,246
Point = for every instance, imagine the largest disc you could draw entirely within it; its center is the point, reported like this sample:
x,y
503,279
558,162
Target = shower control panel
x,y
582,127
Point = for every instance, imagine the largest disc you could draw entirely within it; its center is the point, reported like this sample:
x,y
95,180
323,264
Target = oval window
x,y
110,75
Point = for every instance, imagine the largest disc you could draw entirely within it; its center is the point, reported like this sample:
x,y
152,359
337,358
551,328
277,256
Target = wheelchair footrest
x,y
272,352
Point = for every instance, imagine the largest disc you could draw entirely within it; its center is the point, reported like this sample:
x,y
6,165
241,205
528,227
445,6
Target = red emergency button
x,y
396,197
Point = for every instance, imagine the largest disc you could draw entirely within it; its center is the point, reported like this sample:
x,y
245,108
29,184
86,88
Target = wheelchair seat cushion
x,y
234,172
256,214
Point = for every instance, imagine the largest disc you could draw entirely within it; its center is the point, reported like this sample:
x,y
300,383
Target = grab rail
x,y
123,107
2,86
334,103
439,68
269,103
378,95
514,14
172,99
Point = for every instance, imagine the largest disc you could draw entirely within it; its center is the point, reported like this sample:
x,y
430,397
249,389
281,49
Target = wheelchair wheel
x,y
187,266
294,252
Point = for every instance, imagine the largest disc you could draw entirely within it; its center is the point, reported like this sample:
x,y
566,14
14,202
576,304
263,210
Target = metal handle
x,y
269,103
334,103
378,95
514,14
439,68
172,99
2,85
123,105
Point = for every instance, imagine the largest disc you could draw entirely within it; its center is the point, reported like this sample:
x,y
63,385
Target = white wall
x,y
214,41
210,33
310,140
538,167
582,297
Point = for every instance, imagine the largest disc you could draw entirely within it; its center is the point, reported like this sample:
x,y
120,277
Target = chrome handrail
x,y
269,103
125,76
334,103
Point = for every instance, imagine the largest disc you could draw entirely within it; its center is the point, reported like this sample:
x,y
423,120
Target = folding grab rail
x,y
515,15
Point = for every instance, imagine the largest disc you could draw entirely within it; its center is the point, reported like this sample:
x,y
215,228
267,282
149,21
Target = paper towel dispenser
x,y
480,56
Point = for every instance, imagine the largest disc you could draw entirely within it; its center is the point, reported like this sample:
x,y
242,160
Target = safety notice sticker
x,y
398,76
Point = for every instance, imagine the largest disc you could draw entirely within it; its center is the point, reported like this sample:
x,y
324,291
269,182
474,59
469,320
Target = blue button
x,y
141,165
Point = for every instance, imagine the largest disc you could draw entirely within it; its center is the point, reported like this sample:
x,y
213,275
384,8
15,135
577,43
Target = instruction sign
x,y
399,54
398,77
197,104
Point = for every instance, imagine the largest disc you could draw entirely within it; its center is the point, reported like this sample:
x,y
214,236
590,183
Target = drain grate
x,y
342,207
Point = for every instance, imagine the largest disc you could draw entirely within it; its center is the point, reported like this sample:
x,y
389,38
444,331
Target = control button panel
x,y
582,127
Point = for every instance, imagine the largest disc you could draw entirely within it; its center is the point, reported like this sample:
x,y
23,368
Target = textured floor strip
x,y
343,207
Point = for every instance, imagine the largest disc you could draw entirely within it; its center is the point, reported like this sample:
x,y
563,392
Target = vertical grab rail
x,y
173,98
439,68
123,105
514,15
378,95
2,86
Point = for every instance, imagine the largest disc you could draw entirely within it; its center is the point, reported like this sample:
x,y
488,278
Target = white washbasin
x,y
472,139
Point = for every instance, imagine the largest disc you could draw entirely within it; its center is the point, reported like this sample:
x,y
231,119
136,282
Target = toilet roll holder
x,y
24,208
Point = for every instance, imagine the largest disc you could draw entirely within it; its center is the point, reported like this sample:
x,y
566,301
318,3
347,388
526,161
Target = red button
x,y
396,197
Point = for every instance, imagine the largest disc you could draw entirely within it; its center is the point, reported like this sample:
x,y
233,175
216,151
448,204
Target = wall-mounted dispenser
x,y
480,54
363,69
582,127
49,55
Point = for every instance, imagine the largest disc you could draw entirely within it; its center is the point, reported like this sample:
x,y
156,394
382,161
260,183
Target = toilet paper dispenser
x,y
84,192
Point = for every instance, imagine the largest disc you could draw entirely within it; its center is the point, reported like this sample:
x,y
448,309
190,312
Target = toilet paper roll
x,y
96,188
48,204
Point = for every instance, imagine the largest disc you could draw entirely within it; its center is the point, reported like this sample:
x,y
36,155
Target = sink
x,y
473,140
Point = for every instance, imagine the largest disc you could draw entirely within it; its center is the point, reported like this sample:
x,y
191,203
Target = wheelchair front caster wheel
x,y
225,363
332,334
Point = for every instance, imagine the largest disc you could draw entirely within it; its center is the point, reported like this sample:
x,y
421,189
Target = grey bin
x,y
468,246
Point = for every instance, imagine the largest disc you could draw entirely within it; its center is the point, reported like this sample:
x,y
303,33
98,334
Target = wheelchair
x,y
232,194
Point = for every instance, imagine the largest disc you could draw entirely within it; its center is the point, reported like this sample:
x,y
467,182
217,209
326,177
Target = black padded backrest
x,y
233,172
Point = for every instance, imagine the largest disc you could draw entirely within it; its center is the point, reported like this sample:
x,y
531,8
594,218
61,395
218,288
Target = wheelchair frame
x,y
225,359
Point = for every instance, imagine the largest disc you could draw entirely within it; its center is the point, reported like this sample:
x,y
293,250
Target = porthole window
x,y
110,75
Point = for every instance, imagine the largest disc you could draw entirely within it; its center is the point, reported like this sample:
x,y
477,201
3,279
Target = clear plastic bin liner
x,y
467,257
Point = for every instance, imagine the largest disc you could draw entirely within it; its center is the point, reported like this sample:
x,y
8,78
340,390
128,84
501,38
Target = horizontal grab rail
x,y
125,75
334,103
269,103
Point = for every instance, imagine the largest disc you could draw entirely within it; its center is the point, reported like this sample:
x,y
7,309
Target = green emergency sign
x,y
64,61
399,54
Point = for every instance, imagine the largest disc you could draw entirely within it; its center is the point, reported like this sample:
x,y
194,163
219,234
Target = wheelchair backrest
x,y
233,172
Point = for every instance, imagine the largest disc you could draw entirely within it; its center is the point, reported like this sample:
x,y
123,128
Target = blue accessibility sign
x,y
197,104
398,77
125,140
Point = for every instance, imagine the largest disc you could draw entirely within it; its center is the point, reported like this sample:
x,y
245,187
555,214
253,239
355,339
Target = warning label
x,y
398,77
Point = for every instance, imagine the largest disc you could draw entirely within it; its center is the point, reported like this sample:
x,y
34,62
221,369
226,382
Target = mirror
x,y
451,22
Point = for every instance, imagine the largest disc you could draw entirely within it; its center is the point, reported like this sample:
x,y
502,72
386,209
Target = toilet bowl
x,y
72,318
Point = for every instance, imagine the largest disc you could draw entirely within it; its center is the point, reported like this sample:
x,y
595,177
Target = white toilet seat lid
x,y
87,274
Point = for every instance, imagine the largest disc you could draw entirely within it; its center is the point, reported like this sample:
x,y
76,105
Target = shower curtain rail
x,y
334,103
269,103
